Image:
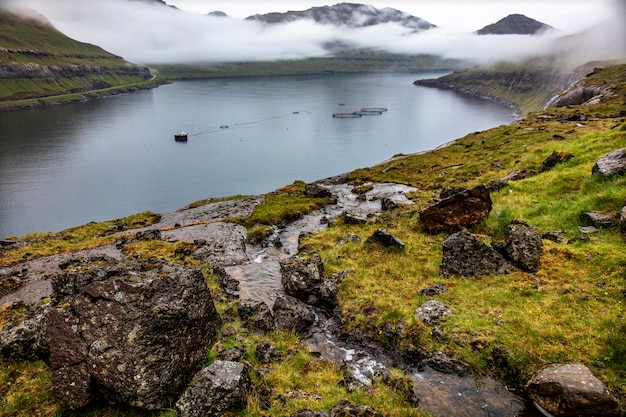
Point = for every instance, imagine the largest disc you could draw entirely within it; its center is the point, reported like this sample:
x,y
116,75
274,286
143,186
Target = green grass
x,y
570,310
46,63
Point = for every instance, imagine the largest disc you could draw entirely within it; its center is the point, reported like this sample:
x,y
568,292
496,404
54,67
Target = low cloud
x,y
152,34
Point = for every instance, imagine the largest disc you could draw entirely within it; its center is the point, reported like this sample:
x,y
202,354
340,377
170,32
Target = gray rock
x,y
523,246
458,211
291,314
613,163
387,204
346,409
433,290
466,255
385,239
25,340
432,311
498,184
221,387
229,284
304,279
234,354
317,191
225,244
599,220
350,238
349,218
256,314
553,236
571,390
266,353
128,332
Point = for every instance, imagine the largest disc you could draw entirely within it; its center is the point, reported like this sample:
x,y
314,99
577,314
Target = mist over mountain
x,y
347,14
515,24
150,32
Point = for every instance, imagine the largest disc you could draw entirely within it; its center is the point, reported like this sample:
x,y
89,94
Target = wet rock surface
x,y
571,390
431,312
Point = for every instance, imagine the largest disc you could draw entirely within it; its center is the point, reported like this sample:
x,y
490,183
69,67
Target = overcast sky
x,y
464,15
151,33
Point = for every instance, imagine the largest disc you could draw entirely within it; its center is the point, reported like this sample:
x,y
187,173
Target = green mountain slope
x,y
38,61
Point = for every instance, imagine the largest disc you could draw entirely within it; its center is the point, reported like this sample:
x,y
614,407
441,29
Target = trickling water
x,y
439,393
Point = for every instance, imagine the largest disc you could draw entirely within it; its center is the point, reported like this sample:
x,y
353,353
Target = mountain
x,y
38,61
347,14
515,24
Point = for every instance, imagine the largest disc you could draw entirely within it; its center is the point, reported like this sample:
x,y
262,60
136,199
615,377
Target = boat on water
x,y
180,137
373,109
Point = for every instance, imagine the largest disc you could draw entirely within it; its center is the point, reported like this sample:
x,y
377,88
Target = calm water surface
x,y
69,165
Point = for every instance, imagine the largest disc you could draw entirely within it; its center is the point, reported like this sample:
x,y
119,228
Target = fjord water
x,y
68,165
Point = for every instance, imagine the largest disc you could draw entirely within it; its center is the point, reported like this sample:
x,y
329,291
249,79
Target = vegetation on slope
x,y
37,62
571,310
527,85
346,62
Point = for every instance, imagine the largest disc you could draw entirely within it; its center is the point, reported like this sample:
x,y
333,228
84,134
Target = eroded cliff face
x,y
38,61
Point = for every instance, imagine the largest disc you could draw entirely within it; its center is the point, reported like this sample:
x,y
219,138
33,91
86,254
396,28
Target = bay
x,y
99,160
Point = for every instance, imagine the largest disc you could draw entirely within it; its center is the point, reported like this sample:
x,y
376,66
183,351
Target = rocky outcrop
x,y
466,255
291,314
613,163
599,220
523,246
24,340
579,93
571,390
304,279
128,333
457,211
256,314
381,237
431,312
221,387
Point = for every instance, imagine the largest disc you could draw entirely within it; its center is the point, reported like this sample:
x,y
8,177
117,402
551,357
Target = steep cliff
x,y
37,61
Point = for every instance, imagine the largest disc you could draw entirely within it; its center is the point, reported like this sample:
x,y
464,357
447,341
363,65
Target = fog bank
x,y
153,34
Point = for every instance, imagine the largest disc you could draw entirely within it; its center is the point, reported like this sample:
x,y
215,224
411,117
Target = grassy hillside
x,y
527,85
38,61
571,310
340,63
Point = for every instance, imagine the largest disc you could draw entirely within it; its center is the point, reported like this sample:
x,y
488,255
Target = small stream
x,y
442,394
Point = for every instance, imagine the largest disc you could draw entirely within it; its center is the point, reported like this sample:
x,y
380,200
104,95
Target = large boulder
x,y
571,390
523,246
457,211
221,387
466,255
599,220
613,163
303,278
128,332
291,314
